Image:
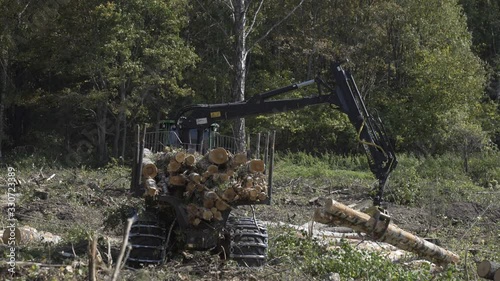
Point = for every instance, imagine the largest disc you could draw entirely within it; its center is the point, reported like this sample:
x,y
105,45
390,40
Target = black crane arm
x,y
344,94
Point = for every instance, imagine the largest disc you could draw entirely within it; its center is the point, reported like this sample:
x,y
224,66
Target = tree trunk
x,y
3,94
119,120
341,215
124,139
239,69
102,149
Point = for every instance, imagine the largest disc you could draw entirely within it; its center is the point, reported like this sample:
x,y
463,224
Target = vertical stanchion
x,y
135,163
271,167
266,150
257,148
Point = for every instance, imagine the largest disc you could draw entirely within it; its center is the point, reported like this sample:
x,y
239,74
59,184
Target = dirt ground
x,y
71,206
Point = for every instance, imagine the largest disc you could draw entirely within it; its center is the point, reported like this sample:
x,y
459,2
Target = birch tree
x,y
243,20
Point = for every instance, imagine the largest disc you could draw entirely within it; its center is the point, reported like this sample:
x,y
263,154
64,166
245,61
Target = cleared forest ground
x,y
77,203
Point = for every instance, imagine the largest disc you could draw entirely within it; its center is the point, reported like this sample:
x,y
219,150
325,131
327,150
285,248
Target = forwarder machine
x,y
165,228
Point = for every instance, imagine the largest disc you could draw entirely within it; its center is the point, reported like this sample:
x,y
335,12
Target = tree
x,y
244,19
99,66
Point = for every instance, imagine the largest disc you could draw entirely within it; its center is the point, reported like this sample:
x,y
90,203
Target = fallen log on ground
x,y
339,214
486,269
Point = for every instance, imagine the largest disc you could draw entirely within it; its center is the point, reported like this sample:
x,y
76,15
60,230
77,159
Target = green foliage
x,y
338,169
100,67
414,182
417,180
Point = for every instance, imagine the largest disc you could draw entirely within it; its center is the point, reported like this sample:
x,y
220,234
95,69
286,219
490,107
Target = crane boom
x,y
343,93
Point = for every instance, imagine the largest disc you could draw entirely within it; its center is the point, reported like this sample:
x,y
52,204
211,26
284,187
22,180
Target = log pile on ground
x,y
489,270
210,183
335,213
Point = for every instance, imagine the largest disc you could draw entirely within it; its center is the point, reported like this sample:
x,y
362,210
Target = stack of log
x,y
210,183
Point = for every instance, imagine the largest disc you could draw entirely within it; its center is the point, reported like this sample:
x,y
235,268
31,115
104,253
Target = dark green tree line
x,y
77,75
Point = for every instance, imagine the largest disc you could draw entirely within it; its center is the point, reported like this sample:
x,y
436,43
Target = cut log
x,y
23,235
177,180
486,269
173,166
190,160
149,169
194,221
230,172
238,159
262,196
207,215
248,182
339,214
497,275
195,177
218,156
221,205
180,156
253,194
256,166
191,186
193,210
151,187
223,177
212,169
211,195
229,194
217,214
208,203
200,187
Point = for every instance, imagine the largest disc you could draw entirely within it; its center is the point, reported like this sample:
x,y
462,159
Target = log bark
x,y
339,214
486,269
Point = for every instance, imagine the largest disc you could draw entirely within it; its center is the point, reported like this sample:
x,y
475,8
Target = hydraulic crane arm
x,y
344,94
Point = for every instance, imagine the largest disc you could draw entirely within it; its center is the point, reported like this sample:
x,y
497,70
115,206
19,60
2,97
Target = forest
x,y
77,76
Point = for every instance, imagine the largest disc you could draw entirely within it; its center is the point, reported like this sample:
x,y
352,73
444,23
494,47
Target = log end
x,y
218,156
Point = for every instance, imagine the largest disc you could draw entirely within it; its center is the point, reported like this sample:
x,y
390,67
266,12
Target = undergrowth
x,y
309,257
